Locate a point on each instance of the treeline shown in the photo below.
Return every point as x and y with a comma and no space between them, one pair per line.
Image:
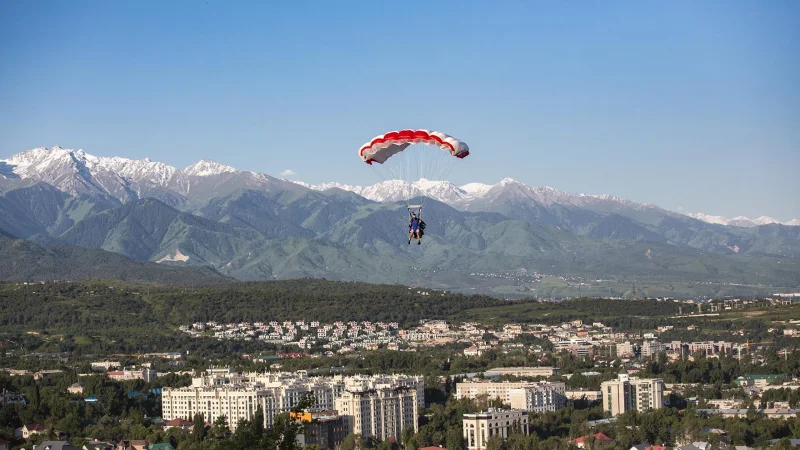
106,305
724,370
624,314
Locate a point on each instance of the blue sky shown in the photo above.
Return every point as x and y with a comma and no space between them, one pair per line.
686,104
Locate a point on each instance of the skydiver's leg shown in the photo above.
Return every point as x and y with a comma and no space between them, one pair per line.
410,235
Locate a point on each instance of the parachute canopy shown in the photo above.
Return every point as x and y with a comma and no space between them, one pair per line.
384,146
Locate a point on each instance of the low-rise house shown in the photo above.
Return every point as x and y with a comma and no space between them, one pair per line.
55,445
178,423
28,430
98,445
4,445
137,444
759,381
75,388
162,446
695,446
599,438
8,397
472,351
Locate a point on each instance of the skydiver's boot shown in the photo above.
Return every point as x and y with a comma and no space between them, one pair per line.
409,241
419,241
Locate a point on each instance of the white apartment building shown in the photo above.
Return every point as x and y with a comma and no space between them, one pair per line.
526,395
234,402
381,413
652,348
132,374
625,349
628,393
105,365
540,397
479,427
237,396
584,395
524,371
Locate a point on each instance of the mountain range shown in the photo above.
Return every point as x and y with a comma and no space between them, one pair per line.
742,221
249,225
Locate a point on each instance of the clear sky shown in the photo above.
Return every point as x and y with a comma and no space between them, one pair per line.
686,104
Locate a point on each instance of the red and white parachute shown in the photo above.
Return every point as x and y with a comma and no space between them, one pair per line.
384,146
407,157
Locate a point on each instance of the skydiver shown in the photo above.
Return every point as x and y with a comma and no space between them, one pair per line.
415,228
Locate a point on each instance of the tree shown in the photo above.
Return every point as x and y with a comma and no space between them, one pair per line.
389,445
257,424
220,429
199,428
406,435
495,442
455,438
353,442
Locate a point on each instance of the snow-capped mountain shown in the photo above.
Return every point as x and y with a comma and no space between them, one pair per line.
79,173
741,221
480,196
397,190
205,168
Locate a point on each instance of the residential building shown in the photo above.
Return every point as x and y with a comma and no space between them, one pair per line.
527,395
629,393
626,349
97,445
652,348
75,388
133,374
381,413
472,351
8,397
178,423
695,446
524,371
234,402
759,381
136,444
599,438
55,445
237,396
539,397
161,446
479,427
325,429
591,396
28,430
105,365
4,445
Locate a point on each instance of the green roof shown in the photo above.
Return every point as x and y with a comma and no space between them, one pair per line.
762,377
162,446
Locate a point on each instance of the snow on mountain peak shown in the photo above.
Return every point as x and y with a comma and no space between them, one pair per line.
507,180
205,168
77,172
476,189
741,221
396,190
